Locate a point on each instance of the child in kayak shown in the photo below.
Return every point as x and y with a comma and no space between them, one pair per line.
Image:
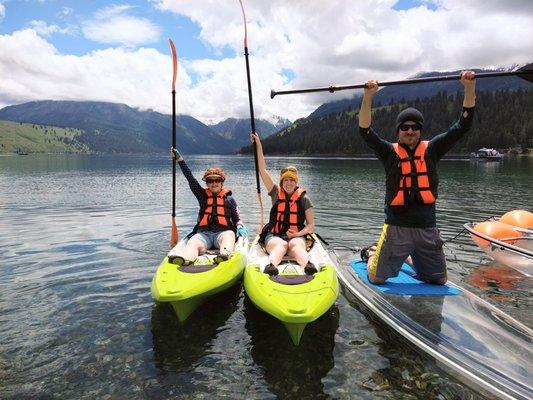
291,217
218,219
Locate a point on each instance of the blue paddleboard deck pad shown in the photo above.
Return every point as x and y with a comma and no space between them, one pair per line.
405,283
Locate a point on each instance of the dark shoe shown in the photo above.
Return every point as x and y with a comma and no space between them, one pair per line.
367,252
310,268
270,269
221,258
179,261
176,260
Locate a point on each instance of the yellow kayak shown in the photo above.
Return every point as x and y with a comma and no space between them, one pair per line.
292,297
187,287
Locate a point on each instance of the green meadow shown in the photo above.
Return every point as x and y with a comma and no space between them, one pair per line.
33,138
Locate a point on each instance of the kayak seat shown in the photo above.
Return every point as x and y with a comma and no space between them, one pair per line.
193,269
291,279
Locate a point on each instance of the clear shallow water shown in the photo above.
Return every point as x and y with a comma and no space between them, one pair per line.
81,236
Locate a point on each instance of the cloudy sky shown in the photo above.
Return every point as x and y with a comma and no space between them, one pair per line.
118,51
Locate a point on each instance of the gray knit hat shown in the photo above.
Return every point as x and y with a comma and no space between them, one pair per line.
409,114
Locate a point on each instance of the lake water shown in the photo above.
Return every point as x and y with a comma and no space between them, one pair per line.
80,239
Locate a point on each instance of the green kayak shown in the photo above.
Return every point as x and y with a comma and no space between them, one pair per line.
292,297
187,287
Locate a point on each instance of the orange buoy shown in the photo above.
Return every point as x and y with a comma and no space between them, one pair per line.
519,218
496,230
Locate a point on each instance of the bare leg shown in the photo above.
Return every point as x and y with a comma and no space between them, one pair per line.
298,252
226,242
276,248
192,249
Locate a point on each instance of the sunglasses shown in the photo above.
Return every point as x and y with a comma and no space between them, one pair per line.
292,169
414,127
216,180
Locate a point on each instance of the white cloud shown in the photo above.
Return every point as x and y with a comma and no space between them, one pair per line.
350,41
112,11
2,12
42,28
111,25
65,12
322,43
38,71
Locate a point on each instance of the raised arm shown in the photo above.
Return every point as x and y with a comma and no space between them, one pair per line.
365,112
195,186
440,144
265,176
468,79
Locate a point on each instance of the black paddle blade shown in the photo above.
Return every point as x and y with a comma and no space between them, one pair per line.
526,72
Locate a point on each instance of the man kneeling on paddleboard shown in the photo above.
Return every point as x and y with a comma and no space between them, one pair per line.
291,217
410,227
218,220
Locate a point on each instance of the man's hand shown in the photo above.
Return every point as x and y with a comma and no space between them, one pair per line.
371,87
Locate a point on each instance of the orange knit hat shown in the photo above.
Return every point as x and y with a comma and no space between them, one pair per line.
214,172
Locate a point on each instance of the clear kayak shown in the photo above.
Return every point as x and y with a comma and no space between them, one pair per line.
292,297
187,287
513,248
470,338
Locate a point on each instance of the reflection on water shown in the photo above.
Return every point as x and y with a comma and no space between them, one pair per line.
292,372
82,235
409,372
177,346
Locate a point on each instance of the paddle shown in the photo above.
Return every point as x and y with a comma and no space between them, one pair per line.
525,72
252,119
174,229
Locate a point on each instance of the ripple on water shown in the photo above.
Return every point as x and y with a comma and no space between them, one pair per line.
81,237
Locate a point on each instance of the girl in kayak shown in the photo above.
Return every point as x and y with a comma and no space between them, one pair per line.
218,219
291,217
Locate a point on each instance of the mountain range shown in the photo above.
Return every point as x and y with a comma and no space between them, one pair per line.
503,119
409,92
118,128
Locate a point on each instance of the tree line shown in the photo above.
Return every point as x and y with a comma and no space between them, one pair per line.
503,119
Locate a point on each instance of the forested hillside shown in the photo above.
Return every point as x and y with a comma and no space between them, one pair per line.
503,119
409,92
117,128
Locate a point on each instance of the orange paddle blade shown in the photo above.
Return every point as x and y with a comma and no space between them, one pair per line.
245,30
174,233
174,63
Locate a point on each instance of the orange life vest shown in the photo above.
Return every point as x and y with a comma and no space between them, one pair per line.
287,213
215,210
417,180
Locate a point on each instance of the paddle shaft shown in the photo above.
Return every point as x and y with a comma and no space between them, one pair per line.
525,73
173,158
174,228
252,118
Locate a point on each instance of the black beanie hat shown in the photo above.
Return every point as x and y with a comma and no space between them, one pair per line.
409,114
